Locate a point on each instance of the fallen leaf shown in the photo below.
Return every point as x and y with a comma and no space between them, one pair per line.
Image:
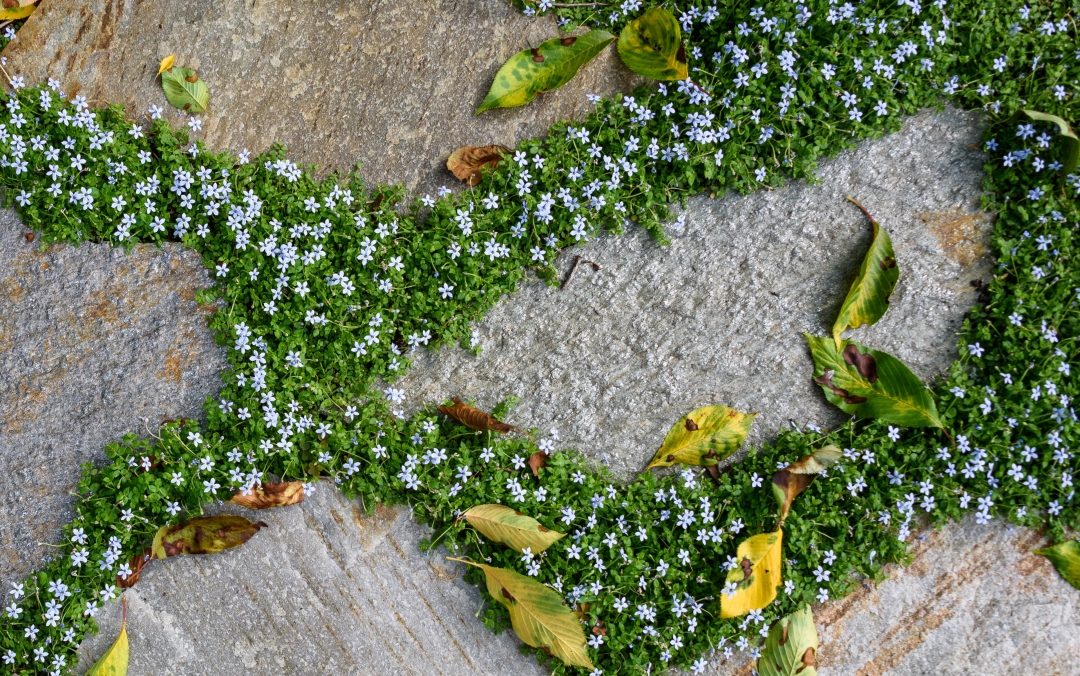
17,9
791,646
1071,154
870,383
271,495
757,576
537,614
542,69
789,482
507,526
204,535
137,563
466,162
537,461
184,89
868,298
651,45
474,418
115,660
166,64
704,436
1066,558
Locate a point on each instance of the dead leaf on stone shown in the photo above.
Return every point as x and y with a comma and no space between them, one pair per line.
537,461
466,162
271,495
137,563
474,418
204,535
166,64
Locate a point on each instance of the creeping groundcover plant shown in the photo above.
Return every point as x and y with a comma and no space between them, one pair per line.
323,289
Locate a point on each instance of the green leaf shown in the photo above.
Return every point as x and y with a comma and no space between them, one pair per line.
868,298
537,614
547,67
869,383
185,90
791,646
204,535
651,45
704,436
1072,143
791,481
1066,558
511,528
756,577
115,660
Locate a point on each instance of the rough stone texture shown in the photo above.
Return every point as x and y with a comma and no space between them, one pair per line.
323,590
610,360
616,356
391,85
94,343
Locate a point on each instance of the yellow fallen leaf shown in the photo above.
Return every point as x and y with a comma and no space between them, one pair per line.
166,64
511,528
757,575
704,436
115,660
537,614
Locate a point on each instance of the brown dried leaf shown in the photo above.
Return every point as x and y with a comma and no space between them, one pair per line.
537,461
271,495
790,482
474,418
137,563
204,535
465,162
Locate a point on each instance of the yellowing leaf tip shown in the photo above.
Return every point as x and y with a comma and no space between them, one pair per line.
166,64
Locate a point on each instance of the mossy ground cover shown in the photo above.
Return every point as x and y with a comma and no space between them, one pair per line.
324,288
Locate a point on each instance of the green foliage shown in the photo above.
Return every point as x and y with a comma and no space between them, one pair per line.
184,89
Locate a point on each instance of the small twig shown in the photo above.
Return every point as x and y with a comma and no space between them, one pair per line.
4,70
573,268
572,5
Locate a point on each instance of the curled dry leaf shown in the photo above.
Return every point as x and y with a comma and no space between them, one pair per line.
474,418
789,482
510,527
757,576
704,436
271,495
791,646
137,563
204,535
115,660
537,614
537,461
466,162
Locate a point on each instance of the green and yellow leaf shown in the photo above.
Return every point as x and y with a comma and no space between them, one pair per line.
1066,558
869,383
868,298
651,45
791,646
704,436
1072,144
204,535
115,660
547,67
20,9
185,90
757,575
538,615
504,525
790,482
